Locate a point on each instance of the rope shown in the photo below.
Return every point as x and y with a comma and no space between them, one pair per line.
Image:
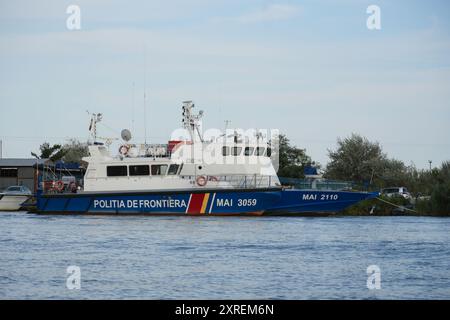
396,205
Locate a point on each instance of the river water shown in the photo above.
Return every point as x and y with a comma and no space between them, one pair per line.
223,257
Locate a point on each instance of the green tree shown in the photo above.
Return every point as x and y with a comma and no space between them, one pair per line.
292,160
54,153
393,173
356,159
75,151
440,195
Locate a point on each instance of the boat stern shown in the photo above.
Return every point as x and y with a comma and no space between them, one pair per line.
297,201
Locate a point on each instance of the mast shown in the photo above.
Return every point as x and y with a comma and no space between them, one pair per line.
95,118
132,108
145,96
191,122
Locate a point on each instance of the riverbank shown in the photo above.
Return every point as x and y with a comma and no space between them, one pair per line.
385,206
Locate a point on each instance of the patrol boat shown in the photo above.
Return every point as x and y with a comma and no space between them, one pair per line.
186,177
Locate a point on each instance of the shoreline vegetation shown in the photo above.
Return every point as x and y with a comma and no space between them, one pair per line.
364,163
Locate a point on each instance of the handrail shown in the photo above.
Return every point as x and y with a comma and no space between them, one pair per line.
216,181
238,180
319,184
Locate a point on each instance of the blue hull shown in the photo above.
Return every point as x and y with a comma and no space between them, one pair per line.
295,201
205,202
212,202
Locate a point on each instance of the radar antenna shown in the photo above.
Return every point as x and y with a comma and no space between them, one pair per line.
191,121
95,118
126,135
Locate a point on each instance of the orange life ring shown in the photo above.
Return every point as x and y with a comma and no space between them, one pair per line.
201,181
59,186
123,149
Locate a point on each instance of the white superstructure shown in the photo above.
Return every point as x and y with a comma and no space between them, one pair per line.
180,165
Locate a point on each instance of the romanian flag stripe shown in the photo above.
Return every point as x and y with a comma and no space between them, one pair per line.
189,203
205,203
212,203
198,203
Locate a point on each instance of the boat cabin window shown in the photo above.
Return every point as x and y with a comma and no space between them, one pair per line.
116,171
260,151
248,151
159,169
173,169
141,170
225,151
268,152
237,151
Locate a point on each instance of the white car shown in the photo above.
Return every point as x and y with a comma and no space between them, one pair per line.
397,192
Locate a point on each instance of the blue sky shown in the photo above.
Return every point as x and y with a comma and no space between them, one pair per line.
309,68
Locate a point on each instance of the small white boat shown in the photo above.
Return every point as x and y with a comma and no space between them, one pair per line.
12,198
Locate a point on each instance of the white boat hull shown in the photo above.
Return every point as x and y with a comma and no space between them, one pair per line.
12,202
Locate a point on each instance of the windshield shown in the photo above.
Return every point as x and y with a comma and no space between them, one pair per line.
14,189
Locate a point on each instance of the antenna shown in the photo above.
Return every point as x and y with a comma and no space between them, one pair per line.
190,121
227,122
95,118
132,107
145,95
224,134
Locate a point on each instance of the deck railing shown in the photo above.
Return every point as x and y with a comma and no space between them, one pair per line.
234,181
211,181
319,184
248,181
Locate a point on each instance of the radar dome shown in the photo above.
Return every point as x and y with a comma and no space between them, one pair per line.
126,134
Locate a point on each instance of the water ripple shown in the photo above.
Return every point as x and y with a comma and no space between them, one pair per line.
223,258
